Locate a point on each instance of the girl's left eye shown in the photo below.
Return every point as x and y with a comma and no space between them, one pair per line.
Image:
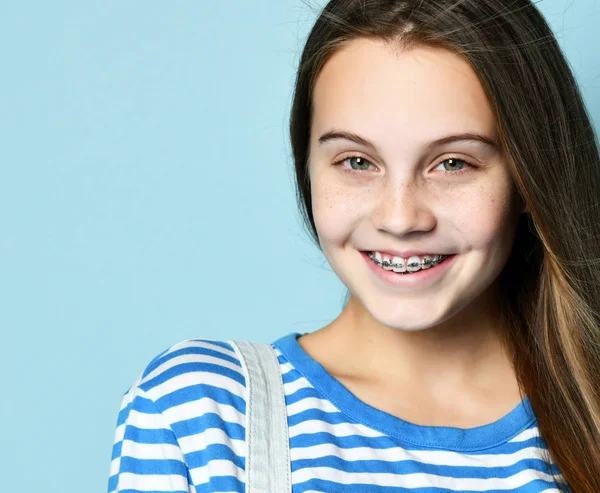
453,165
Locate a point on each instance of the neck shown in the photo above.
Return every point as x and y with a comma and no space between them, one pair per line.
463,354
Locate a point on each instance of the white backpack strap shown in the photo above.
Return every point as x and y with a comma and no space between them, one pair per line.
268,468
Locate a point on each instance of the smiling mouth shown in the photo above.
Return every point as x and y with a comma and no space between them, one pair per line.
405,266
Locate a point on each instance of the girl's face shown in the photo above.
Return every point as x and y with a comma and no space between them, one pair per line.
381,183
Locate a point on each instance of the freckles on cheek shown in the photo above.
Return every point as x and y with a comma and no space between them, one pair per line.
482,216
335,210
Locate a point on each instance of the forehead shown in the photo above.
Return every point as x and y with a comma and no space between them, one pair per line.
419,94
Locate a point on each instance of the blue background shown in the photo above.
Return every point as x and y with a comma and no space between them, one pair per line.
146,197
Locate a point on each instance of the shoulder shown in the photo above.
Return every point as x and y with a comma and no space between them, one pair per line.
186,408
199,372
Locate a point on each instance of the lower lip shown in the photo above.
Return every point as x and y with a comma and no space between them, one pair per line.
421,278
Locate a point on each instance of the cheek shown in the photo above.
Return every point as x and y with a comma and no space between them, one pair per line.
487,215
336,210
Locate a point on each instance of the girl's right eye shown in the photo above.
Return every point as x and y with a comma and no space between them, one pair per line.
354,164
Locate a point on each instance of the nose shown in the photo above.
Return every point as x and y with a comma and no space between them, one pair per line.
402,209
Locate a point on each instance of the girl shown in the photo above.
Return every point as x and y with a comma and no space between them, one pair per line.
448,170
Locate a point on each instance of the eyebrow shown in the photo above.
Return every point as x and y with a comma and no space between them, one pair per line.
468,136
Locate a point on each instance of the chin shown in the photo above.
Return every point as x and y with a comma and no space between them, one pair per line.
411,324
409,315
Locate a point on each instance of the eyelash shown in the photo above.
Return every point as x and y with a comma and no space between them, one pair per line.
354,171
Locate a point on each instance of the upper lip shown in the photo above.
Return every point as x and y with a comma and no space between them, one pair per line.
405,253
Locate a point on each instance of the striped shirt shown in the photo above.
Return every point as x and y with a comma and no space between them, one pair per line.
181,428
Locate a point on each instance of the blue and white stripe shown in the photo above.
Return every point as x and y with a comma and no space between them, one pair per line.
181,428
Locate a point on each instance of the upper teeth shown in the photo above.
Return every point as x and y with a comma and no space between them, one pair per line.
411,264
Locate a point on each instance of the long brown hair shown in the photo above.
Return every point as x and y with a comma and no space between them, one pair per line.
551,282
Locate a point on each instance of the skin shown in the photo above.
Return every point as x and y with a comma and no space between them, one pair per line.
432,355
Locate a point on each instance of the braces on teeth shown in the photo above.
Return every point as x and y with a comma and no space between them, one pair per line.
413,264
